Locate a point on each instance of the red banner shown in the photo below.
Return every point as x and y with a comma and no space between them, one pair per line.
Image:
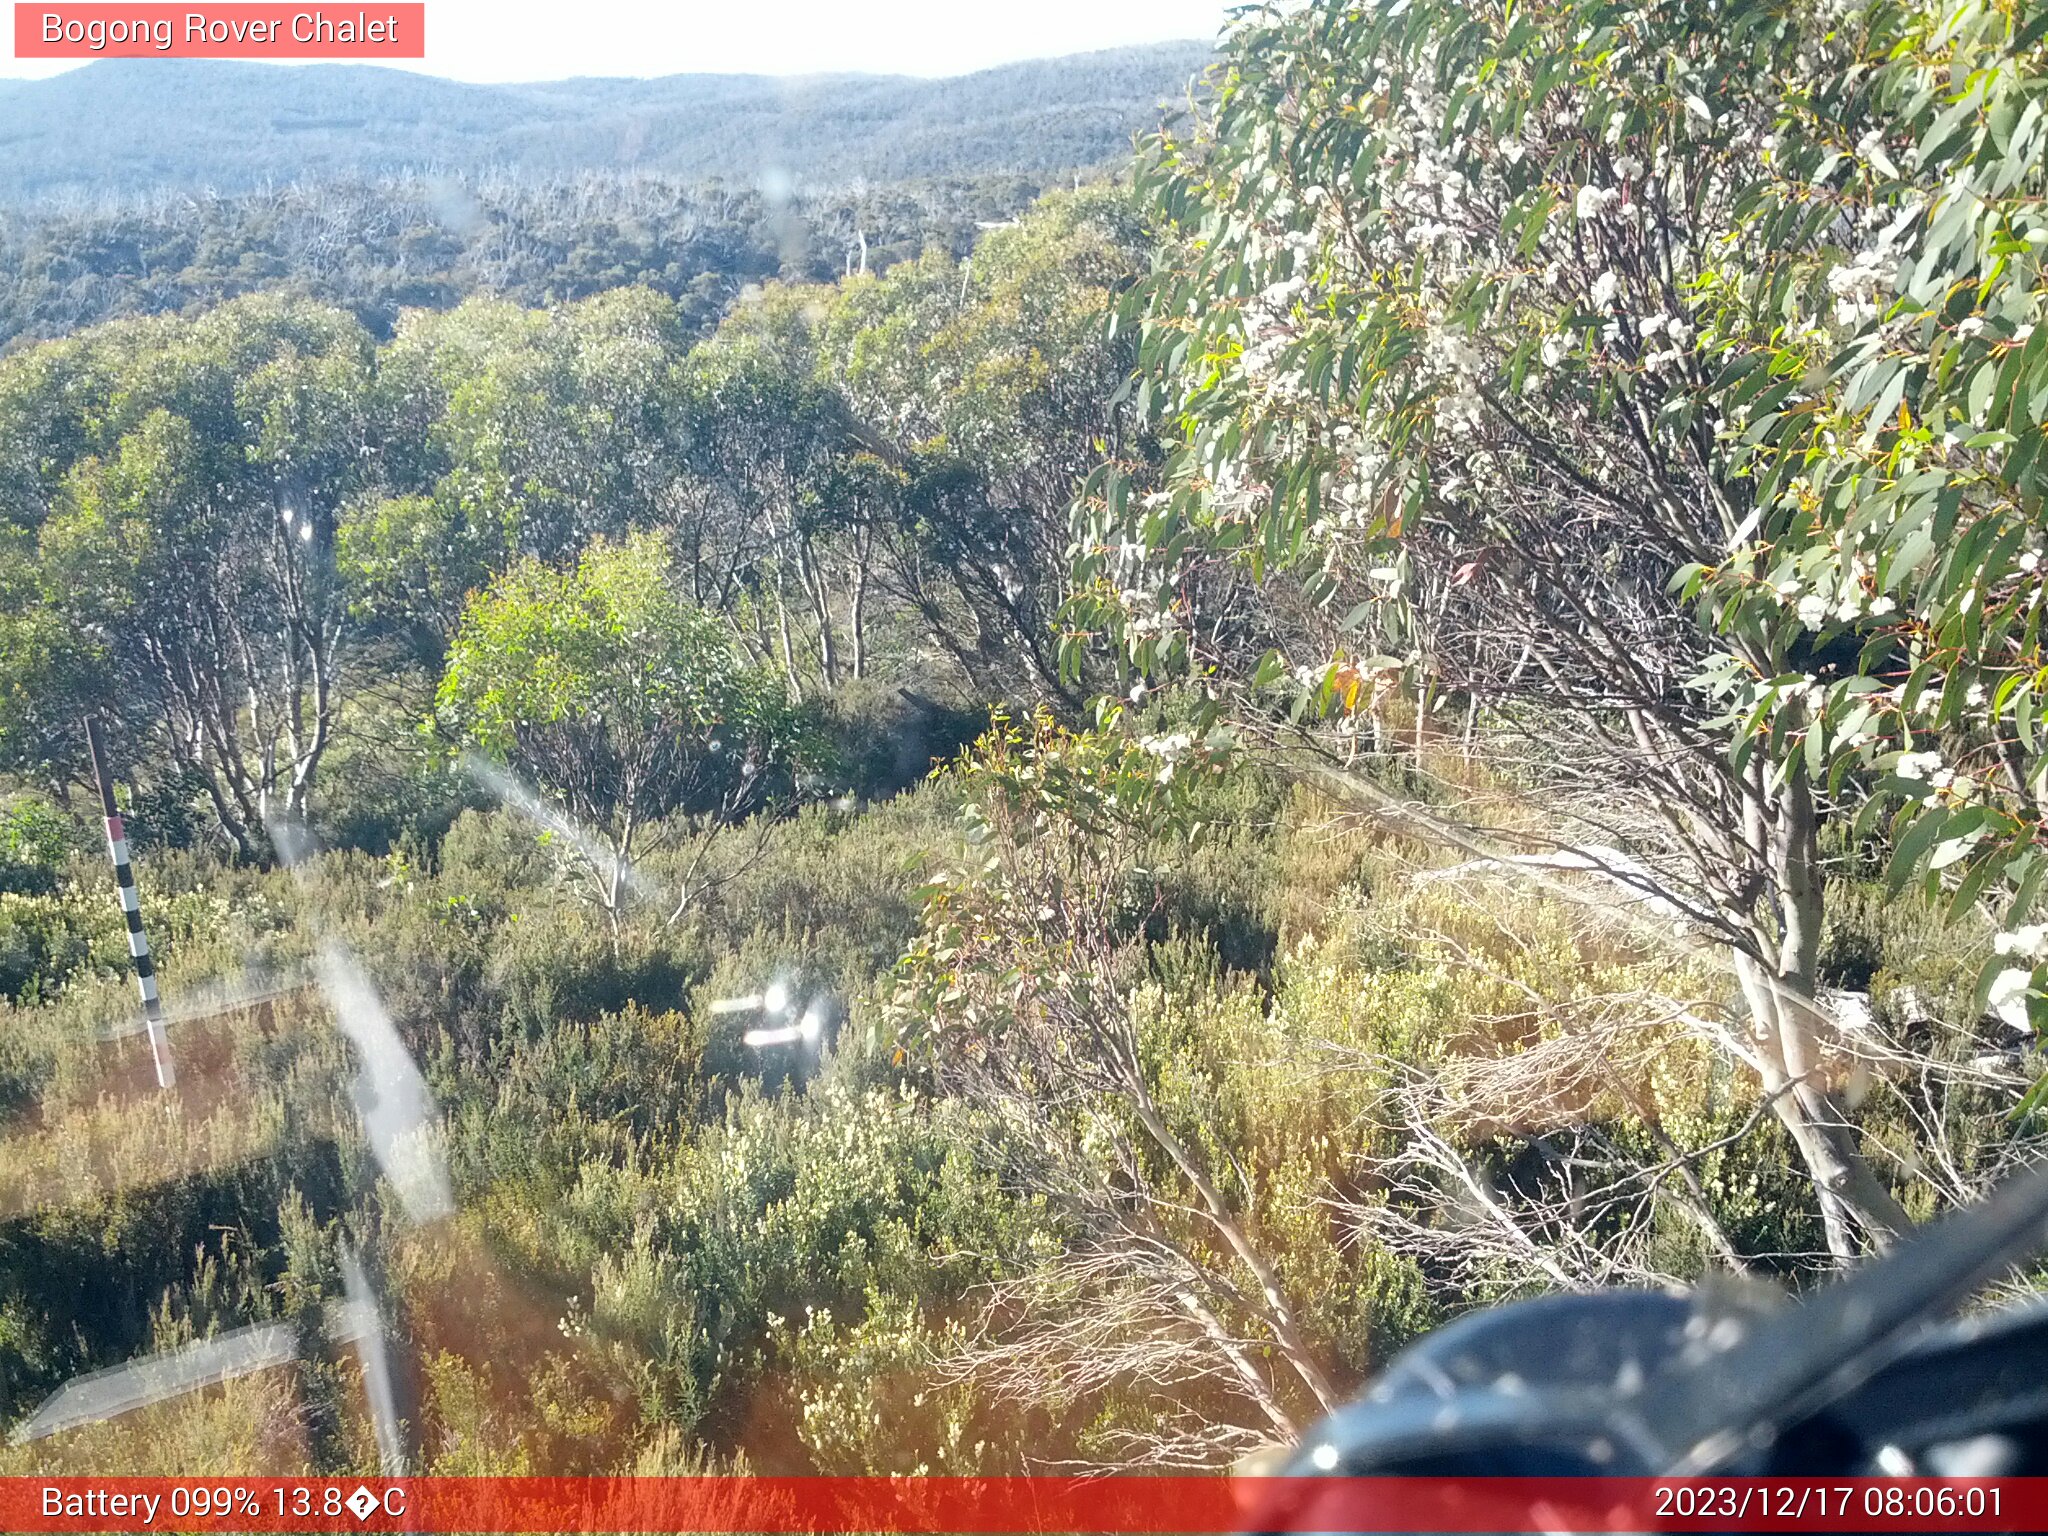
222,31
1120,1506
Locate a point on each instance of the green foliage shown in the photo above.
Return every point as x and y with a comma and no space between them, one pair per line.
535,238
758,1268
999,384
1898,473
72,929
1797,266
389,788
36,839
185,525
620,700
1165,1106
44,941
1152,1101
267,528
1053,816
50,674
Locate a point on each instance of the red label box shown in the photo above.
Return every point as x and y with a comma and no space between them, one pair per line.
376,30
1018,1506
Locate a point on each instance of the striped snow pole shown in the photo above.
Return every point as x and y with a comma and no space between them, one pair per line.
131,908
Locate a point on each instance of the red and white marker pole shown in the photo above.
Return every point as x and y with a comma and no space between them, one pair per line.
131,909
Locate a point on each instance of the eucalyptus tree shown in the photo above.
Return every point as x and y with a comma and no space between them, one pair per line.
184,540
772,515
512,432
999,386
1894,421
627,706
1476,330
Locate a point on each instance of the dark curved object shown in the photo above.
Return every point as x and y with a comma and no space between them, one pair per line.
1862,1378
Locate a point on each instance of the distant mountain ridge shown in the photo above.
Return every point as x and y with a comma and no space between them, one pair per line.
125,127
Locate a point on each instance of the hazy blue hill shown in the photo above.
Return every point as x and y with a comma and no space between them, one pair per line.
123,127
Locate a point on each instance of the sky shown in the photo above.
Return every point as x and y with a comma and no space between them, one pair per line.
501,40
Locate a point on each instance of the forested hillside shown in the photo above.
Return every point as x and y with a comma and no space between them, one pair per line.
375,248
1035,859
127,127
378,190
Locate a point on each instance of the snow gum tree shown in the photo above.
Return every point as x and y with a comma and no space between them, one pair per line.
1659,379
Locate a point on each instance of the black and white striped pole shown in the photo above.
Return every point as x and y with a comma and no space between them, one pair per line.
131,909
